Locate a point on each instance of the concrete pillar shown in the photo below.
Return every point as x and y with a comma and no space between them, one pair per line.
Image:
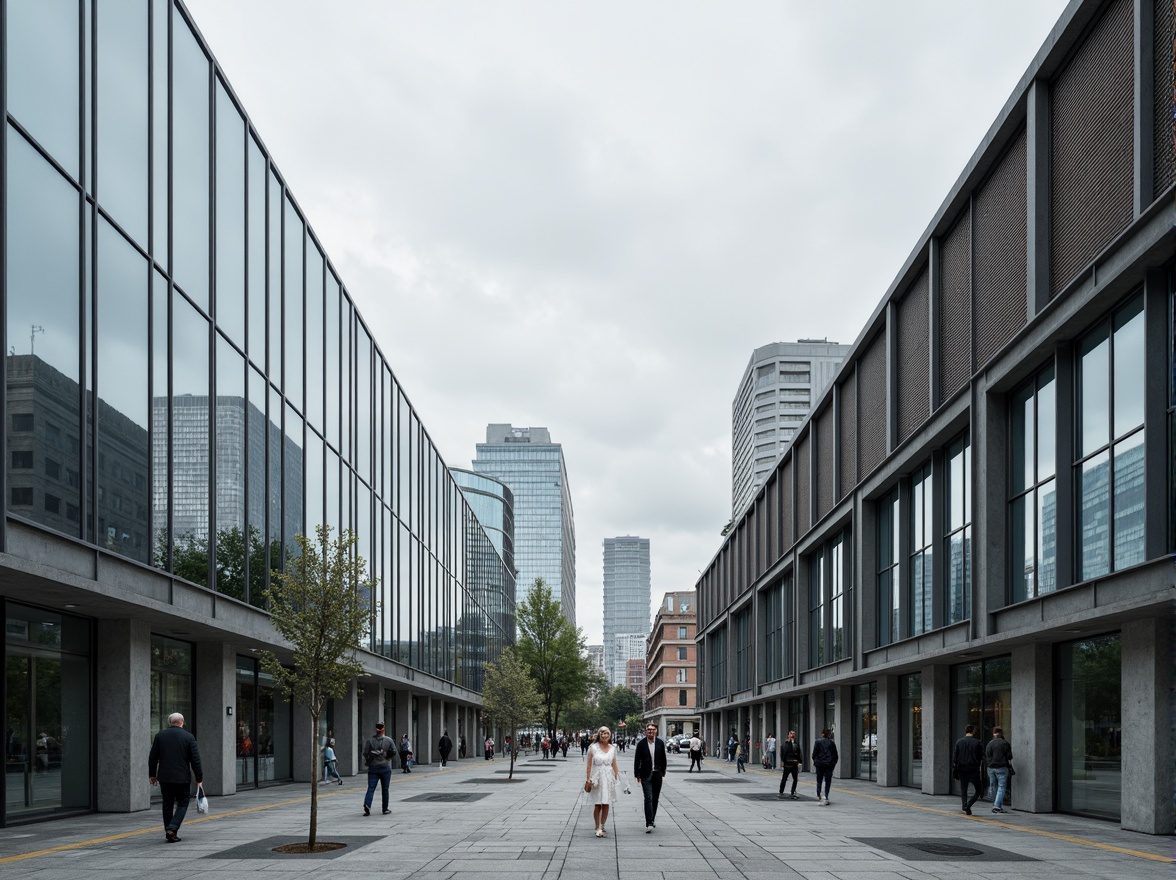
426,749
843,734
451,725
1148,704
123,737
347,731
216,716
937,741
1033,729
403,722
304,744
889,754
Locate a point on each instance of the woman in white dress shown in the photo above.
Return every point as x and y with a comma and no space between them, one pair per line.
603,773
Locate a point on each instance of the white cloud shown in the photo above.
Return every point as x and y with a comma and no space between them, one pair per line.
586,216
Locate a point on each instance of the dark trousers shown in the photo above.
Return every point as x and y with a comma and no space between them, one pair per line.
175,803
695,758
794,772
381,776
970,776
444,758
826,774
651,787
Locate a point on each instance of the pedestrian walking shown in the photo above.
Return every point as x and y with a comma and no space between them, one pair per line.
546,746
649,769
730,748
563,745
824,760
461,746
966,758
377,755
740,758
998,755
444,746
696,748
489,748
601,777
790,755
405,754
770,752
330,762
173,761
584,743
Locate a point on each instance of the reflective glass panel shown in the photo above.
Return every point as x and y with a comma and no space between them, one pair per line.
274,480
1094,512
294,488
1046,426
292,305
121,120
231,416
331,365
1047,537
44,74
314,482
1090,727
230,217
257,430
1022,443
160,24
314,336
190,442
190,164
1021,550
274,281
1130,374
123,368
256,254
1094,413
363,403
1129,501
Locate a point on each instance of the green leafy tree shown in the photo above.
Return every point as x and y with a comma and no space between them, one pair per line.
553,651
190,560
322,606
620,704
509,697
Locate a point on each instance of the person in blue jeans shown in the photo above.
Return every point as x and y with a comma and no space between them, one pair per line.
997,755
330,762
377,754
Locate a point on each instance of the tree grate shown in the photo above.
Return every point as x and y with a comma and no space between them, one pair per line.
941,849
446,797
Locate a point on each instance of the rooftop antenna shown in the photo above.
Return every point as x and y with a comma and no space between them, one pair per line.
34,329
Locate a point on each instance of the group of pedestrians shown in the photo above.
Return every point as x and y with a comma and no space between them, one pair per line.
602,776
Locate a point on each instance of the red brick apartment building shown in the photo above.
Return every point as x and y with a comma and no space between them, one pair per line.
671,699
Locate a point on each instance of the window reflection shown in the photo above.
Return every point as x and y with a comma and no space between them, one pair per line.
230,217
121,120
190,164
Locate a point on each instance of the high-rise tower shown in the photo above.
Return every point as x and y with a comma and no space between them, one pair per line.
533,467
626,601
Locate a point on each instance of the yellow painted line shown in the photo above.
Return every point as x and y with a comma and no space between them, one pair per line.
154,829
1081,841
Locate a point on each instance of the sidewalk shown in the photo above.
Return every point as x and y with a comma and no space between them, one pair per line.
469,821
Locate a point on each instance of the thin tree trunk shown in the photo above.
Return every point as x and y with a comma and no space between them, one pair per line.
314,778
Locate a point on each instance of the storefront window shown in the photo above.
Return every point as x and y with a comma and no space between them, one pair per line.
865,730
1089,746
911,729
49,712
982,695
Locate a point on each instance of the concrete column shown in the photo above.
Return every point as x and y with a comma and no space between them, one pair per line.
123,737
304,739
216,728
1033,729
843,734
402,723
1147,708
452,726
347,731
889,755
937,741
426,749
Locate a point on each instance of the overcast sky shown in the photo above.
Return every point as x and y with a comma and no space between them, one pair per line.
585,216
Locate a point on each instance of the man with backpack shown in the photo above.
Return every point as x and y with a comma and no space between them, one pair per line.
377,754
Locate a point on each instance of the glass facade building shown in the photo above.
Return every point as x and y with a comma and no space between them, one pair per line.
977,515
532,466
626,598
188,385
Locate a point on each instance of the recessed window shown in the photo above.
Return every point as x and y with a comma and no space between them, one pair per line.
681,652
52,504
22,459
1033,488
22,422
22,496
52,469
682,675
682,632
682,698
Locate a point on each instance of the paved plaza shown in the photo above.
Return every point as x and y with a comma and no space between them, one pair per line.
469,821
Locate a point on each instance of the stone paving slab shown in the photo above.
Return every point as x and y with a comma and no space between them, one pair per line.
543,829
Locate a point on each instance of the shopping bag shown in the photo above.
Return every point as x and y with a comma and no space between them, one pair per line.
201,800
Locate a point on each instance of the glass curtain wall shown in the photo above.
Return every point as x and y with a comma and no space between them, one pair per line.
1090,727
1033,488
49,712
222,393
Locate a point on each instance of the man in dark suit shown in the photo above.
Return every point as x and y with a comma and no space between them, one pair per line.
649,767
174,759
966,759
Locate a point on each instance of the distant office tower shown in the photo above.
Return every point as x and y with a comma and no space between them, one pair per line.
626,598
635,676
533,468
596,659
780,385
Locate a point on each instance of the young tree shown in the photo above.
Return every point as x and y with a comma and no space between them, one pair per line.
509,697
553,651
322,606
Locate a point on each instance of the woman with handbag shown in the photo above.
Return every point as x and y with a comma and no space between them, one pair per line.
600,778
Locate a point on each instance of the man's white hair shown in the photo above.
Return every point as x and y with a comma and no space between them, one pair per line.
175,718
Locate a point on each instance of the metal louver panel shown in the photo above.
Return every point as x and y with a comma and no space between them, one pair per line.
803,481
1092,157
826,462
999,240
772,525
1165,127
914,365
872,382
848,417
955,308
